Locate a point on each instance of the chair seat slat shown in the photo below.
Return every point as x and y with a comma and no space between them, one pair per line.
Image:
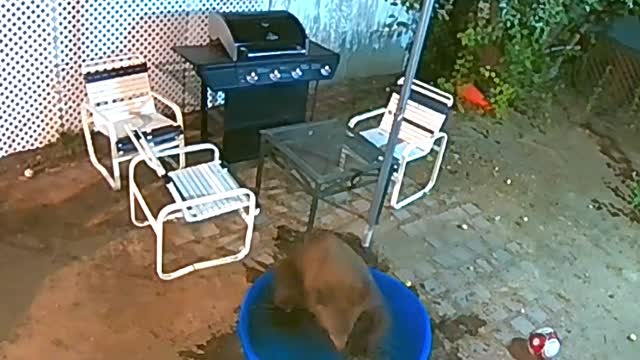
207,179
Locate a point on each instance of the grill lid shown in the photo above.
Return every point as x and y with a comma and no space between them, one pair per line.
252,35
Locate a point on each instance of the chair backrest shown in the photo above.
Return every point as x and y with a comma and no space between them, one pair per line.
119,86
426,112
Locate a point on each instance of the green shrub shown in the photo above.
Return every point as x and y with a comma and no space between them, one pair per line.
513,49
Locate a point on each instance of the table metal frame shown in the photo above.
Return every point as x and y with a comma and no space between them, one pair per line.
316,185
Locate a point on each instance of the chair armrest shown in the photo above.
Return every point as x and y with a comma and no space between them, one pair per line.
95,112
172,105
151,157
439,135
191,148
144,150
100,118
365,116
407,150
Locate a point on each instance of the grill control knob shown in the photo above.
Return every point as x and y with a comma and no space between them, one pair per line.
275,75
297,73
326,70
252,77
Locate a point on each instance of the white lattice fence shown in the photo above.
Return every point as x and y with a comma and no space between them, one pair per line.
43,43
29,95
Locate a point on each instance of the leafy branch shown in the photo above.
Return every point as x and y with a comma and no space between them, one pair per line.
513,49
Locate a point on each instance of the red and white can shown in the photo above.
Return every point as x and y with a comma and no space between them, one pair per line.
544,343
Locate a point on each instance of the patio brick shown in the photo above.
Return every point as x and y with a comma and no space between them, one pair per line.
444,309
424,269
479,246
402,214
537,315
433,286
405,275
453,279
483,265
502,257
264,258
455,215
414,229
513,306
551,302
481,224
494,313
447,260
179,233
493,239
462,254
464,299
511,274
482,294
471,209
522,325
514,247
438,243
208,229
342,198
275,191
361,205
278,209
273,184
505,334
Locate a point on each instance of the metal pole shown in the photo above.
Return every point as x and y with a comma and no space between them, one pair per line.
410,73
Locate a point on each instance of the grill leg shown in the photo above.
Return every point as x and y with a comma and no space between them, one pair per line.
260,169
204,117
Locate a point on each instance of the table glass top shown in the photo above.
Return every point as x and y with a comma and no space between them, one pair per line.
325,150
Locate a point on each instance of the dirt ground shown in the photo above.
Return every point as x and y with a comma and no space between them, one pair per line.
78,284
77,279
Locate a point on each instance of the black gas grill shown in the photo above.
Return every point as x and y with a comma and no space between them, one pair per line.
264,62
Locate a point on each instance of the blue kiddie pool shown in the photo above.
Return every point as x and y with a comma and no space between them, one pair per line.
263,338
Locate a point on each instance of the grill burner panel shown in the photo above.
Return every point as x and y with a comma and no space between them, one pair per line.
223,73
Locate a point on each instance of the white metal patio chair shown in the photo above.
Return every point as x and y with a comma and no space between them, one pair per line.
119,94
426,112
199,192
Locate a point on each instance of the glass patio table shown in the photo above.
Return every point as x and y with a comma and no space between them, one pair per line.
325,157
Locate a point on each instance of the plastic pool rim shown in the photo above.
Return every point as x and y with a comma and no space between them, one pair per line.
264,280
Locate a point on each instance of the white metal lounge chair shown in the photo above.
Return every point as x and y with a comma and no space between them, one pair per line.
426,112
118,95
199,192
